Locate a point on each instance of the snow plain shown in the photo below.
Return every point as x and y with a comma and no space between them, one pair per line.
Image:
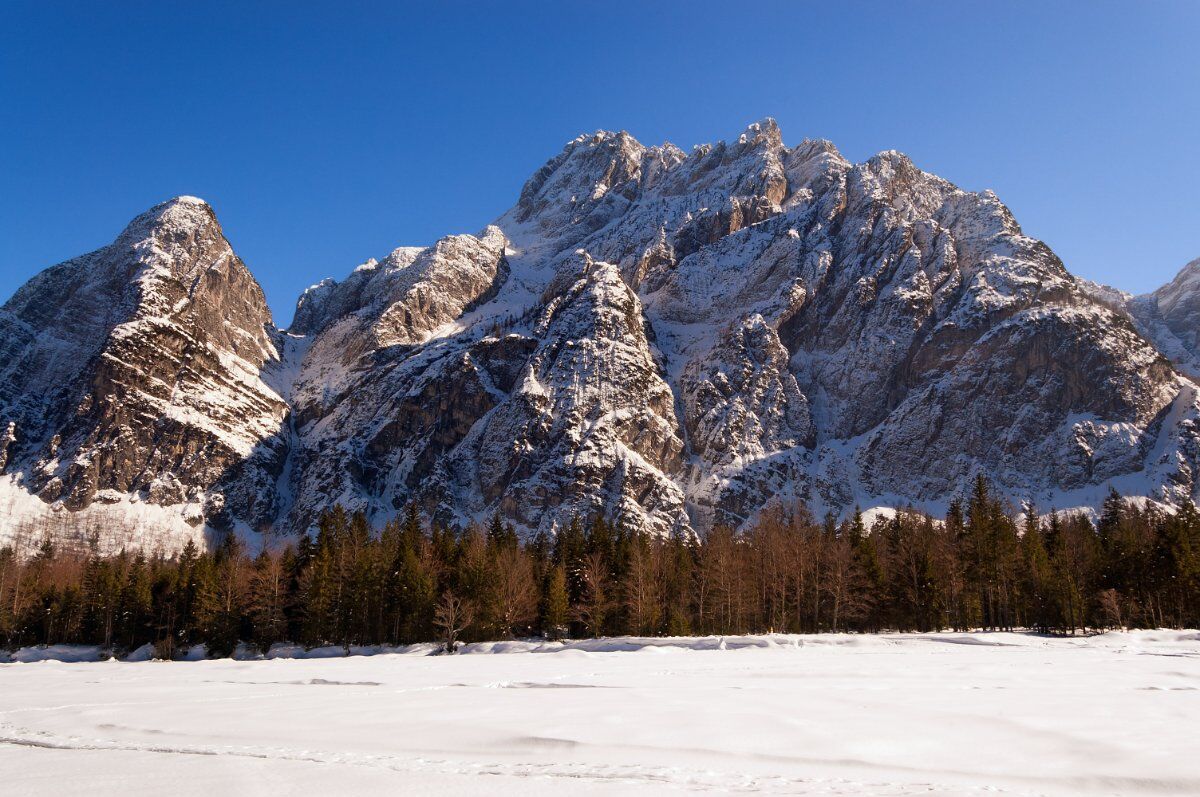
891,714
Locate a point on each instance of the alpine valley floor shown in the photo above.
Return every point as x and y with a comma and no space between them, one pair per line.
889,714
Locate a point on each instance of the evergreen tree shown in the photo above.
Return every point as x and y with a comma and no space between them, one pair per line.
268,600
1037,576
555,603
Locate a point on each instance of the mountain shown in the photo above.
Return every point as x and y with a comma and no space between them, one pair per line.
132,378
673,338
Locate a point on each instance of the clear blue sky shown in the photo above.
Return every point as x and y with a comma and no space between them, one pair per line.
324,134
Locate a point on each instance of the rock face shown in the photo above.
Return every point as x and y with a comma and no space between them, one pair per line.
1170,316
676,339
133,373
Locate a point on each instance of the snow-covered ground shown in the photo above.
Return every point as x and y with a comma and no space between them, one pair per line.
836,714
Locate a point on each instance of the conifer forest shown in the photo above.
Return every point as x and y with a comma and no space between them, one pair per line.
981,566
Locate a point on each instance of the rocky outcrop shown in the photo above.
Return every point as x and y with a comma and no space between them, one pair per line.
567,416
1178,305
405,298
741,401
588,427
1168,316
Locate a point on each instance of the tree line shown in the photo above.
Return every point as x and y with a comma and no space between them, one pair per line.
981,566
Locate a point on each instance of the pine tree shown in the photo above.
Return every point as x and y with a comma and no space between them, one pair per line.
413,593
1037,576
570,547
225,597
555,603
501,535
267,601
679,568
870,580
135,616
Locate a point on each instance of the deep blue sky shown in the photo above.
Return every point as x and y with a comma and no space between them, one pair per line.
326,134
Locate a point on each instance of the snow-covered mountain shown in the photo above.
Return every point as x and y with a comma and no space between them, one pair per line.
675,338
131,380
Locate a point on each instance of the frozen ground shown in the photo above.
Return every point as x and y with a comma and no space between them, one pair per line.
880,715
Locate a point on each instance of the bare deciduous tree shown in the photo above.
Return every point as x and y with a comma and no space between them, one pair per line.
452,616
515,591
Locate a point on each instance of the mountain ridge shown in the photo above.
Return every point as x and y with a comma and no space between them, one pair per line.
676,339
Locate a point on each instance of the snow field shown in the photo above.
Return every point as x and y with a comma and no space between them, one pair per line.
834,714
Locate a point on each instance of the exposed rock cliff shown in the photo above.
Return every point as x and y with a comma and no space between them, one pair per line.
132,374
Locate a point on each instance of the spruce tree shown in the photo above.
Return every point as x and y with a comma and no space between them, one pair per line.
555,603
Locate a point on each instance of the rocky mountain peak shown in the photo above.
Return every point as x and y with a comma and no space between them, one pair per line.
1182,290
582,175
764,133
1170,316
174,215
181,235
132,376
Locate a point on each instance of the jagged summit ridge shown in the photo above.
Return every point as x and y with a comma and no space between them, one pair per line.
677,339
